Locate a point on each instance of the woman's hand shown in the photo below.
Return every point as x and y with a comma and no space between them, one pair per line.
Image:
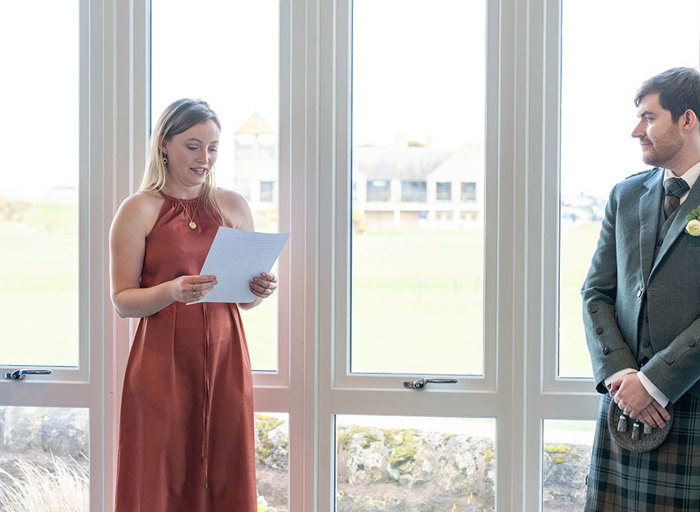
192,288
263,285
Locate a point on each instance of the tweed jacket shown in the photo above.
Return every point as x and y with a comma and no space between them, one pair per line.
624,277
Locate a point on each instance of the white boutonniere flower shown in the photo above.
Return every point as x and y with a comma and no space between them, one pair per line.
693,226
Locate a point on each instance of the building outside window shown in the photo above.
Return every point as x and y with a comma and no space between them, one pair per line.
414,191
443,191
378,190
468,191
267,191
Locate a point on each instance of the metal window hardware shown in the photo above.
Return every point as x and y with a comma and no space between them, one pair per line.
420,383
19,374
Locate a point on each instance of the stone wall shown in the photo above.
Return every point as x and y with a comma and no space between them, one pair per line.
377,469
384,470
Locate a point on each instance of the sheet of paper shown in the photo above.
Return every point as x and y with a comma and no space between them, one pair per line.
235,257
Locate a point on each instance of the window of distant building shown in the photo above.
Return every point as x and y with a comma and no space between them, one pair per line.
244,152
443,191
413,191
267,151
378,190
267,191
468,191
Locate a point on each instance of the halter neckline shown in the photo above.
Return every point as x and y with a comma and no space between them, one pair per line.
173,198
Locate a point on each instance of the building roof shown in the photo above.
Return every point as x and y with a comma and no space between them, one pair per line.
415,163
467,163
256,125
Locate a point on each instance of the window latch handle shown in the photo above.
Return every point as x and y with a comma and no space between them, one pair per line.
19,374
420,383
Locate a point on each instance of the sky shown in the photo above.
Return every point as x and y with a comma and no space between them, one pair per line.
609,49
418,74
39,92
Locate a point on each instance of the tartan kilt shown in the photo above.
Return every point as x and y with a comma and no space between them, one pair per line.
663,480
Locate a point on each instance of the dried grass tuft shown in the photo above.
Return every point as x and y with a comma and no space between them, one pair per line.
54,487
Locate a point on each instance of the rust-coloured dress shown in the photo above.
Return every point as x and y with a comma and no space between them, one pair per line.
186,438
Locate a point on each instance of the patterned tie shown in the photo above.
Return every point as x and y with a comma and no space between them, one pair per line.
674,188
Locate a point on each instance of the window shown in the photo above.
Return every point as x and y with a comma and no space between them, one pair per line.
419,253
243,152
267,191
39,206
408,291
413,191
54,305
468,192
443,191
415,463
378,190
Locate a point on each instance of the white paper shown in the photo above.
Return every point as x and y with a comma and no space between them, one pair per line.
235,257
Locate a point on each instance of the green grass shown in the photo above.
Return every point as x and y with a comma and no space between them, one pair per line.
39,290
416,298
260,324
577,246
417,302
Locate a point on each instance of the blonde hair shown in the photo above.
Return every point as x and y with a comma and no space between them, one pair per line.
180,116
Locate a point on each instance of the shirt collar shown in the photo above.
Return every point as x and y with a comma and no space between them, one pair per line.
690,176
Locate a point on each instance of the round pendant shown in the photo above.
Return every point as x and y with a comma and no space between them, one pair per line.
192,225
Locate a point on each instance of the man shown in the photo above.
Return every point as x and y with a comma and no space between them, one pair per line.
641,308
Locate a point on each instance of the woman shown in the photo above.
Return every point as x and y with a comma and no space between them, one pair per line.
186,432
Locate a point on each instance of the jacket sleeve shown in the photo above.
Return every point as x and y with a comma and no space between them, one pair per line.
676,369
609,351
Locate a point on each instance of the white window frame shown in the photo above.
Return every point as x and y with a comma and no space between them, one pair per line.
520,388
547,396
340,391
90,384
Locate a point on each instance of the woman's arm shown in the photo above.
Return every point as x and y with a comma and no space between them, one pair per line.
127,242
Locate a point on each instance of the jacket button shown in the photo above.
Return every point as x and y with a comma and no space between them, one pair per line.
599,330
606,350
645,344
671,360
639,292
660,243
592,309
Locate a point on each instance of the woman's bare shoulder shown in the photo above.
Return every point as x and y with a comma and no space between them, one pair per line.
235,208
230,197
144,200
141,209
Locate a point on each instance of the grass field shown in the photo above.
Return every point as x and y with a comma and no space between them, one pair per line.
577,246
39,287
416,298
417,302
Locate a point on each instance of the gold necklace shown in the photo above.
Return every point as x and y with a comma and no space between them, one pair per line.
192,224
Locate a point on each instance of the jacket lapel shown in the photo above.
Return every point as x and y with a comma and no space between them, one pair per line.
678,225
649,204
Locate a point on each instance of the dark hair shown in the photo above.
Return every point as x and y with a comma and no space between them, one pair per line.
678,88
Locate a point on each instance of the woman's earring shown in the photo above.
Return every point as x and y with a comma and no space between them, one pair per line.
165,159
